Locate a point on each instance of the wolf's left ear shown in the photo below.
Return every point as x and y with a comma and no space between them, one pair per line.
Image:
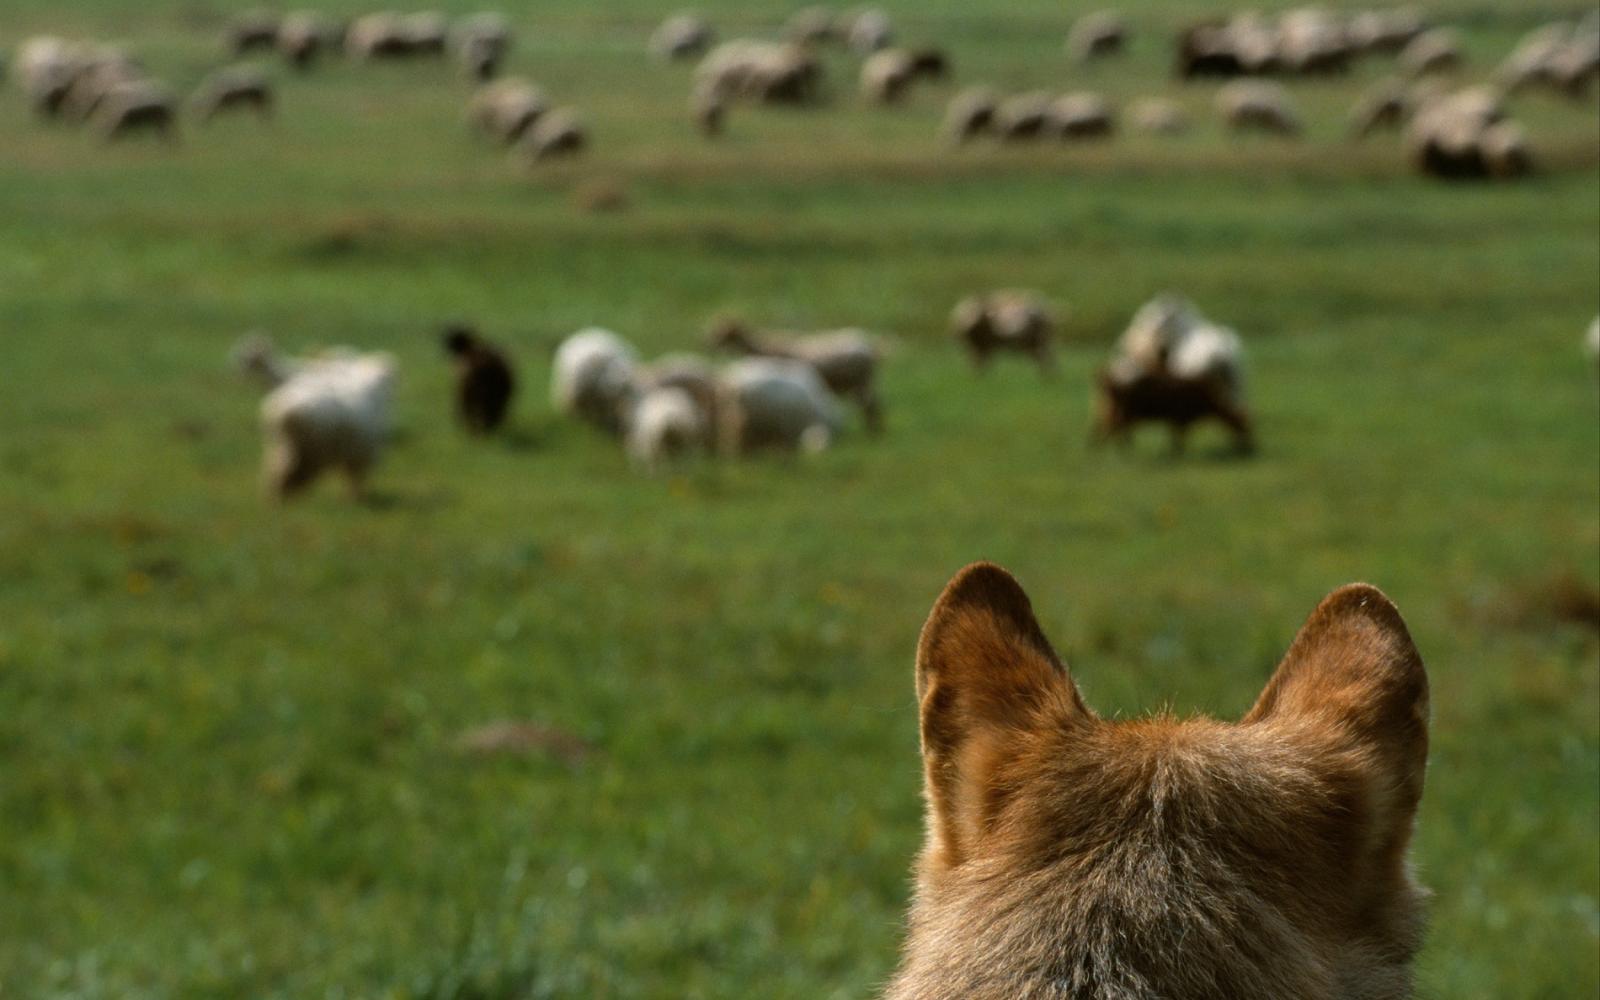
985,672
1353,666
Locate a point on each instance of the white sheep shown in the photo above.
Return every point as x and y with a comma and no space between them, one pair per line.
1433,51
325,412
1159,116
774,403
1168,334
1591,340
480,43
593,377
1082,115
664,423
558,132
506,109
846,360
870,31
970,113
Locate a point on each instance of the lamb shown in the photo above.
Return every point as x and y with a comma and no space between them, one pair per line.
557,133
970,113
1082,116
664,423
1007,320
1102,33
485,383
141,105
1159,116
887,74
845,360
774,403
1175,367
233,88
1433,51
1258,105
592,377
481,43
321,414
506,109
681,36
870,31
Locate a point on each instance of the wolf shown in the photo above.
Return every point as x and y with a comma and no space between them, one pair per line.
1070,857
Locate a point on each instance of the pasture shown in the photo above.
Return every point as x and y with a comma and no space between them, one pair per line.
230,743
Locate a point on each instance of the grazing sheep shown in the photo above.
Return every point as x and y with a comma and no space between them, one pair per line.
480,43
322,414
426,33
1562,56
1008,320
887,74
1465,135
138,106
485,383
1207,49
1386,31
506,109
773,403
662,424
46,67
681,36
693,374
1159,116
1174,366
232,89
845,360
1385,105
812,26
1022,116
870,31
767,72
100,71
557,133
970,113
1433,51
1258,105
592,377
1314,41
388,35
251,31
1102,33
1082,116
1591,340
1127,396
302,38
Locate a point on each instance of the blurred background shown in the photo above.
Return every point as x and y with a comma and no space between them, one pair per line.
531,720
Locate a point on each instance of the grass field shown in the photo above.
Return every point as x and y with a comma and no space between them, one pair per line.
228,742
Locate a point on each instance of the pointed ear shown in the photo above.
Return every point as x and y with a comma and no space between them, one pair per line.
1354,667
985,673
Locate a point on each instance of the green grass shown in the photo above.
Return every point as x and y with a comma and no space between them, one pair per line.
227,743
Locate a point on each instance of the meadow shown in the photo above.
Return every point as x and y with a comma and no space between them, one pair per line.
230,741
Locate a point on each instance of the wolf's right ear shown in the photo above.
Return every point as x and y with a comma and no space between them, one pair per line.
1354,670
985,672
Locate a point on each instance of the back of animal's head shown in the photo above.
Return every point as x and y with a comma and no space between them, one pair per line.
1074,858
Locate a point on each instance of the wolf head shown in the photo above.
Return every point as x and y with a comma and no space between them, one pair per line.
1074,858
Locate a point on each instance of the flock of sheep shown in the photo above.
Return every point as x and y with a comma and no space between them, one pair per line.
330,411
1452,129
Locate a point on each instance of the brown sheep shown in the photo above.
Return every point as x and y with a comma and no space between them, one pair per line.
1011,321
1128,395
846,360
485,383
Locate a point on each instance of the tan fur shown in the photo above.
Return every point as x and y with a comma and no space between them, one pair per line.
1074,858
